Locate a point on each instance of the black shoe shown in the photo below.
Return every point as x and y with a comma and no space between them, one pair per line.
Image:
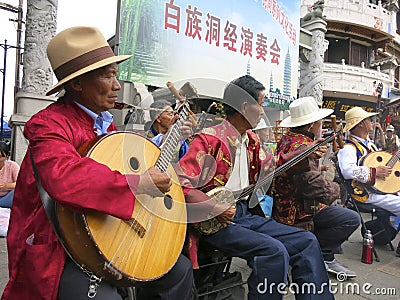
398,250
334,267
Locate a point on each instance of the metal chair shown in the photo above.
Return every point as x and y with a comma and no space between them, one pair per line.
213,275
382,217
128,293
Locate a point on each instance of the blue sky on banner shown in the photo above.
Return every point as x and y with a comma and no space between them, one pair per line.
70,13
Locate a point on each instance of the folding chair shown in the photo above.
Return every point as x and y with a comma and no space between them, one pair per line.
382,217
128,293
213,275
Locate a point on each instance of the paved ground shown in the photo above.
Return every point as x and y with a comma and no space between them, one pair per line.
374,278
3,264
375,281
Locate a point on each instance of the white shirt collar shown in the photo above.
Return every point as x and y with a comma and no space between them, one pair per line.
367,142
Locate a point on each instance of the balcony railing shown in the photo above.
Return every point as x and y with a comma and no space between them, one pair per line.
361,12
353,79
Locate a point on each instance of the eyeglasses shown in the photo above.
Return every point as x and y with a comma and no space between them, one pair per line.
170,112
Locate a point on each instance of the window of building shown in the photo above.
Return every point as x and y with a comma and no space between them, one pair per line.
338,49
398,22
358,54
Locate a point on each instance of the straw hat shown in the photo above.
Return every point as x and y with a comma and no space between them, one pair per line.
354,116
261,125
304,111
78,50
390,128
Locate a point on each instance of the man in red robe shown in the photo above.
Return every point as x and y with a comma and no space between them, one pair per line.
229,155
39,268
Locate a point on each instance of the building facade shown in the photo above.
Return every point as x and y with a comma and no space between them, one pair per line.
363,51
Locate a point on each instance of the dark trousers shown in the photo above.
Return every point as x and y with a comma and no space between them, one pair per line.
176,284
269,248
332,226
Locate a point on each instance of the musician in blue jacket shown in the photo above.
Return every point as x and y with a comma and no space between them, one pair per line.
163,116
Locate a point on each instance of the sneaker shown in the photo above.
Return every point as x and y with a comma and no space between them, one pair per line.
398,250
334,267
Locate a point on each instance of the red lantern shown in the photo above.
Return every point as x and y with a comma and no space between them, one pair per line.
388,119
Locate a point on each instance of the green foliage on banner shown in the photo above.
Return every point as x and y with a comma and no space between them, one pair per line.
140,36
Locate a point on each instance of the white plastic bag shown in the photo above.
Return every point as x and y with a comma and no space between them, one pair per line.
4,220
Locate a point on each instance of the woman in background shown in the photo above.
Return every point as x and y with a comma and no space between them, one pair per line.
8,176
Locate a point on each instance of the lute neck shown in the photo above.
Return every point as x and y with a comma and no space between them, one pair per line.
394,159
172,139
286,166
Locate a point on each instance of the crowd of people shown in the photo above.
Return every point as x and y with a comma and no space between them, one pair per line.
300,240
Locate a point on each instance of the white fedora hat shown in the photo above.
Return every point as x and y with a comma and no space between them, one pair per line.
354,116
304,111
261,125
78,50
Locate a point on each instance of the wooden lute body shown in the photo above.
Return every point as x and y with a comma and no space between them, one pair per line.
145,247
390,184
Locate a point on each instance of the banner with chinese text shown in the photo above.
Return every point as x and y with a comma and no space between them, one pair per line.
174,40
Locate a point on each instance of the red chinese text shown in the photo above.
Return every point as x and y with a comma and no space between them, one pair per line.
172,16
261,48
247,42
279,15
193,22
230,36
213,29
275,52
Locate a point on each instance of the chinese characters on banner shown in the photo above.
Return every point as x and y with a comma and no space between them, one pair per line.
213,32
175,40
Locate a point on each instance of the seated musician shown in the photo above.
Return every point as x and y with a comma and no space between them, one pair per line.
303,195
357,178
163,116
39,267
229,155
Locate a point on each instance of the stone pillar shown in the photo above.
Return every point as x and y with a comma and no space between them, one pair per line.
311,63
37,74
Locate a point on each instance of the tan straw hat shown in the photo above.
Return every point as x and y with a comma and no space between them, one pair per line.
78,50
354,116
304,111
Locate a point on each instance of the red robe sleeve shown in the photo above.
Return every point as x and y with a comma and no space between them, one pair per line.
61,169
